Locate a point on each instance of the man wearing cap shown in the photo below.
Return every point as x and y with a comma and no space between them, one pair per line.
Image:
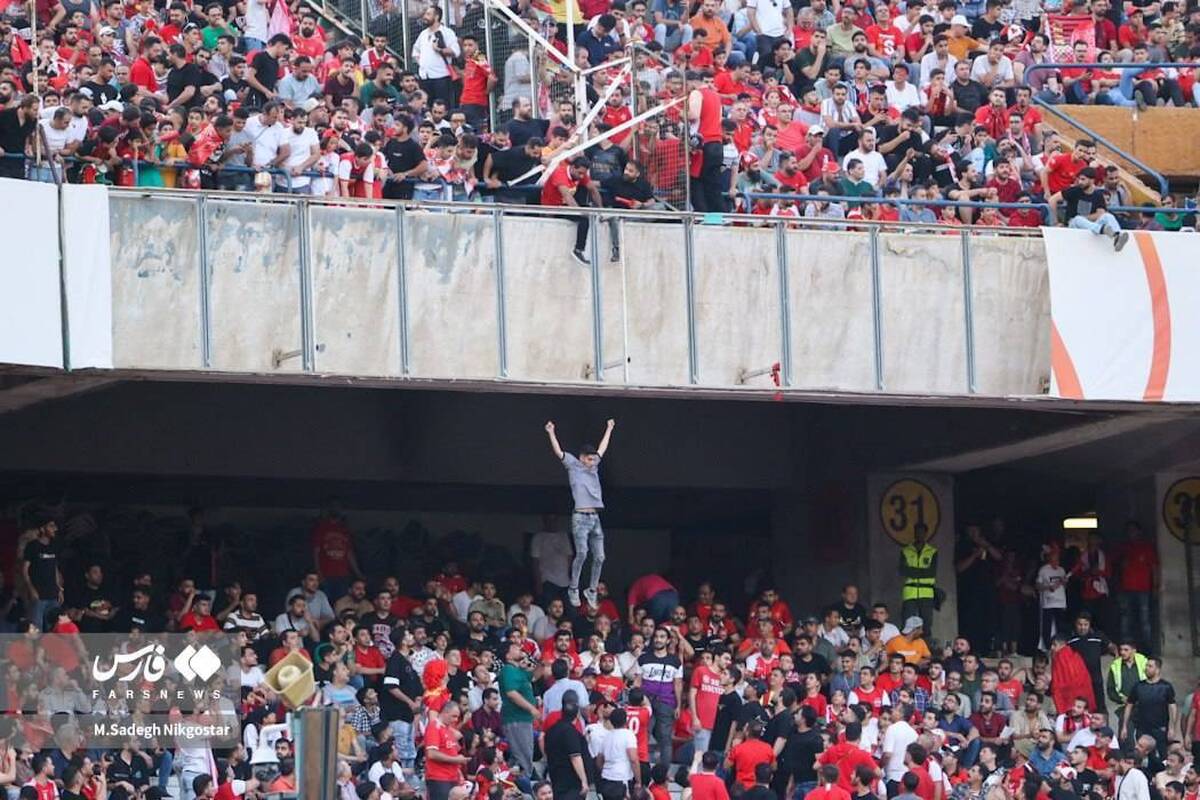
961,43
911,642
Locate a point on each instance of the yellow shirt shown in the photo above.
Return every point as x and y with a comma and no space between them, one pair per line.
960,46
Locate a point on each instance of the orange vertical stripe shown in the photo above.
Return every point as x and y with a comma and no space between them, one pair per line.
1160,307
1064,369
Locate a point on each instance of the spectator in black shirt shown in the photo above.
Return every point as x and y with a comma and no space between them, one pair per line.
523,127
761,790
799,757
405,159
100,87
94,606
129,772
853,613
512,167
988,26
1087,209
264,70
1151,708
42,574
969,94
729,709
565,750
16,126
184,81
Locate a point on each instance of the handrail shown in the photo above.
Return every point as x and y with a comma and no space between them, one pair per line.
1164,186
899,201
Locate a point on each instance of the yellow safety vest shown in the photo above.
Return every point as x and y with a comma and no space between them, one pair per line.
918,588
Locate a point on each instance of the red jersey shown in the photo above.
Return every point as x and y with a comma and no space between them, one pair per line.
1062,169
639,723
1030,117
369,657
924,782
886,41
835,792
331,540
445,740
613,116
709,126
889,682
707,684
191,622
561,177
748,755
874,698
795,183
311,46
994,119
360,177
45,791
475,80
707,786
142,74
846,756
609,687
1011,687
1138,561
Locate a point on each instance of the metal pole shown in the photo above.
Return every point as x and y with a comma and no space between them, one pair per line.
489,46
402,290
63,306
689,257
571,39
307,334
968,311
533,80
785,303
624,299
877,307
597,300
205,283
501,322
405,31
687,165
362,12
633,101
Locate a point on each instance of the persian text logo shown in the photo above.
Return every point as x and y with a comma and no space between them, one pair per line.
149,663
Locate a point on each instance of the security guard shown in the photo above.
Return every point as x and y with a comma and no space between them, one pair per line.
918,568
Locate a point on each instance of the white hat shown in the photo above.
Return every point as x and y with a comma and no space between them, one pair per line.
309,104
911,624
113,105
959,19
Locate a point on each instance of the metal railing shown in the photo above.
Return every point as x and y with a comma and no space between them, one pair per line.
406,215
851,200
1163,185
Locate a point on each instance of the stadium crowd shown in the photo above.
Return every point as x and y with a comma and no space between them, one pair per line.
471,687
924,100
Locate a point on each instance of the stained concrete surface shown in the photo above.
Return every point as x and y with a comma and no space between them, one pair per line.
832,327
155,283
738,309
924,340
254,268
356,306
451,280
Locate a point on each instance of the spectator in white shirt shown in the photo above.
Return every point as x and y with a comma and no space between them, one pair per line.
875,168
266,134
902,95
433,51
303,152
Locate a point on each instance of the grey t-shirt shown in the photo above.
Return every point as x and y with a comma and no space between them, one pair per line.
585,482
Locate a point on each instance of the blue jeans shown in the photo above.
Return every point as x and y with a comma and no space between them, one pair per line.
1106,224
589,538
970,754
40,609
802,789
406,748
1135,617
435,195
251,44
661,605
165,767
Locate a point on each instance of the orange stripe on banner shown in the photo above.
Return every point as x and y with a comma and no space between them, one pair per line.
1064,368
1160,306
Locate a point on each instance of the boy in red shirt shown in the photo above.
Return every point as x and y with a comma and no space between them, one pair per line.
477,80
705,784
828,789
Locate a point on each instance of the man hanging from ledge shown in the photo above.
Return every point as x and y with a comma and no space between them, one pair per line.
583,475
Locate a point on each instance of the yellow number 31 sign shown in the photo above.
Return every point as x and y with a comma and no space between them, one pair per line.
905,504
1181,509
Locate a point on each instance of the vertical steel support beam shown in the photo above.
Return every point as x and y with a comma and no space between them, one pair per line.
308,346
689,264
501,322
489,47
968,311
785,304
877,307
205,282
597,304
402,290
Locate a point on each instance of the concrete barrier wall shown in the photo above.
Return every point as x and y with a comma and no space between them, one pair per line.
157,305
422,294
